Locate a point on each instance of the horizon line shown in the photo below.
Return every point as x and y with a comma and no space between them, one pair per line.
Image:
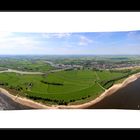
69,54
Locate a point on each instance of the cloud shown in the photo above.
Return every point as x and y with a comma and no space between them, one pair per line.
84,41
56,35
68,43
23,43
134,35
5,34
13,39
62,35
13,43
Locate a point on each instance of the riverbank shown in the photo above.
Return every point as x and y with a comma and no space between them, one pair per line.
22,100
36,105
20,72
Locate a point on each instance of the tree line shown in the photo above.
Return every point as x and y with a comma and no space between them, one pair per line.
52,83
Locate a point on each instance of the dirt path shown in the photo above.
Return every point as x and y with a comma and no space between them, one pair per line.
100,86
98,78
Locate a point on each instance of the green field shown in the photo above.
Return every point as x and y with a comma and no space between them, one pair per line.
25,65
61,87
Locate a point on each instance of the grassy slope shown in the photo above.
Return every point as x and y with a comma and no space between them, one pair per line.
77,84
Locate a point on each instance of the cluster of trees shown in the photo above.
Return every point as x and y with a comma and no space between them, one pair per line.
96,69
109,83
121,71
69,69
51,83
72,100
45,75
26,68
28,85
86,97
135,71
59,102
17,88
3,83
105,82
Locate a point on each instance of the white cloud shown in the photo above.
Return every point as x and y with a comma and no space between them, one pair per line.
62,35
17,41
46,35
84,41
56,35
133,35
11,43
5,34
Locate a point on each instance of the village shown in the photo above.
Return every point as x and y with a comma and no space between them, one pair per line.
94,65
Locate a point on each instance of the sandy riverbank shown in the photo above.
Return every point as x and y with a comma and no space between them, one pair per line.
20,72
22,100
36,105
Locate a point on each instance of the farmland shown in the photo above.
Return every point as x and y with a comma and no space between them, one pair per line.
60,83
61,87
24,64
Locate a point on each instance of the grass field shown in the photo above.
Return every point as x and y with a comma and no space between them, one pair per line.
25,65
61,87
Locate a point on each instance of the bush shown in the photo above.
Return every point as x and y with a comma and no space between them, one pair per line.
49,83
3,83
59,102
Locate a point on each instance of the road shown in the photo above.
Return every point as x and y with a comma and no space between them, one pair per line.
8,104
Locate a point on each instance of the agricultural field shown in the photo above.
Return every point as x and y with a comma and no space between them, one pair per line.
61,87
64,79
25,64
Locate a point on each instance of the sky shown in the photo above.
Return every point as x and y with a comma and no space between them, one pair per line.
96,43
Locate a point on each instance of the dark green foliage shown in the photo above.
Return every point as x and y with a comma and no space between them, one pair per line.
49,83
59,102
3,83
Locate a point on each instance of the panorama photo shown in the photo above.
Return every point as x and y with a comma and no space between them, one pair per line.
78,70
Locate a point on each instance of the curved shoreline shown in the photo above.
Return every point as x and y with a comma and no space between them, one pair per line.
36,105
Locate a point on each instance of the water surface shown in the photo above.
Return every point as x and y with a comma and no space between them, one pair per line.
7,103
126,98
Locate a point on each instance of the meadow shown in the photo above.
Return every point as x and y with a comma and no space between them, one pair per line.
25,64
66,84
61,87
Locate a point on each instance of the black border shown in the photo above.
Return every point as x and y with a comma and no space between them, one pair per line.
71,130
69,5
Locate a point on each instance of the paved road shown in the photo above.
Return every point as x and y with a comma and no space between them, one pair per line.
8,104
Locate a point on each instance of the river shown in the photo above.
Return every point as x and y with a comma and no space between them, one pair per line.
20,72
7,103
127,97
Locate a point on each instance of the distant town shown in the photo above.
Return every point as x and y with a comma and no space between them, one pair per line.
97,64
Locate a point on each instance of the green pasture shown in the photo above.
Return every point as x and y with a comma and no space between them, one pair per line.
60,87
